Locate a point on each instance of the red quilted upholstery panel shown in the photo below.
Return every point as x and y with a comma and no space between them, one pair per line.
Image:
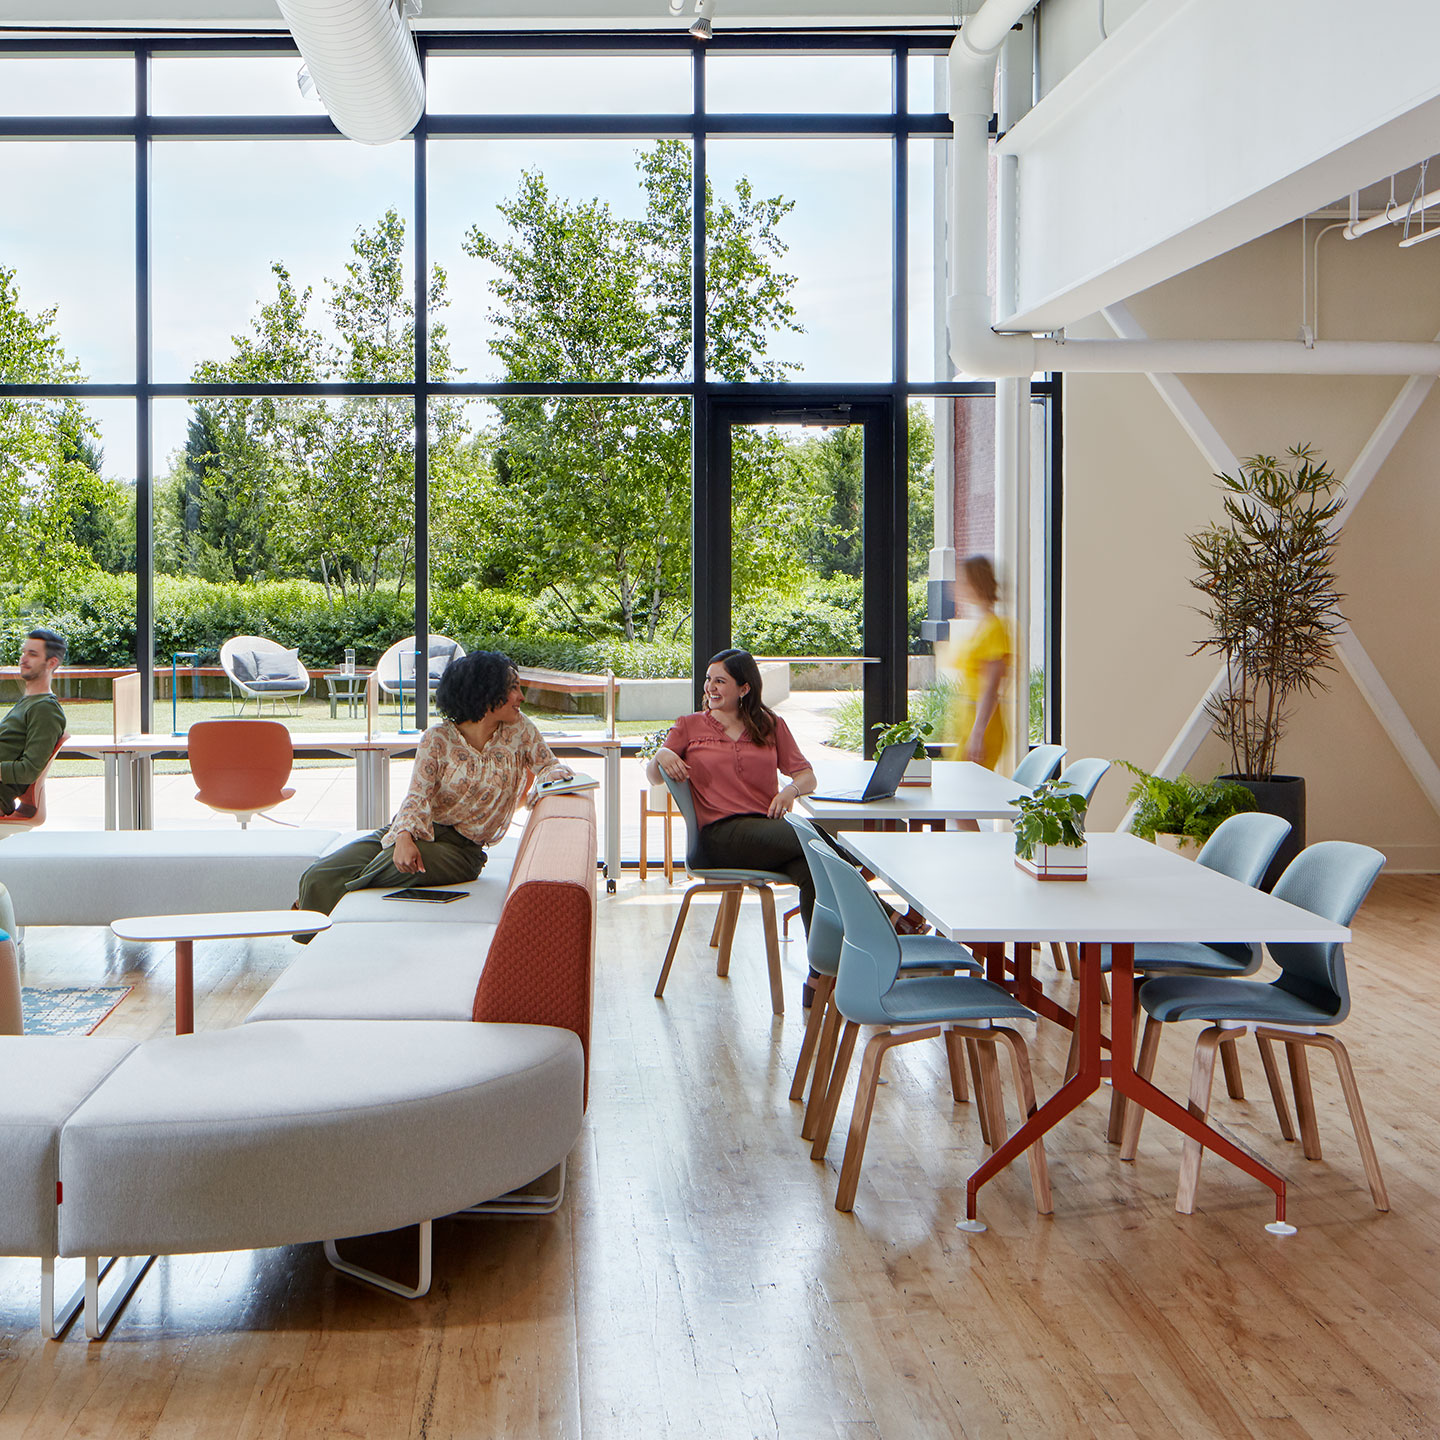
539,967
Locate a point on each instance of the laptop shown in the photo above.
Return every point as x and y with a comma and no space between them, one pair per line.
884,778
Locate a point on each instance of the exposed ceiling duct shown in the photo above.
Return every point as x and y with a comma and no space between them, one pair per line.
362,61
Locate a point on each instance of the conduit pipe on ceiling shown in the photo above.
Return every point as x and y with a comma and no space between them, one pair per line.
362,58
979,351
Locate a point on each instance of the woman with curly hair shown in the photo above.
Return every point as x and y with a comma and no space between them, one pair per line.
470,774
730,753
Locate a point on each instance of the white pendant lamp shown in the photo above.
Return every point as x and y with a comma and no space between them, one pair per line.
363,64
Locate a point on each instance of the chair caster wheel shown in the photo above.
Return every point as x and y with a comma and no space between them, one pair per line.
609,887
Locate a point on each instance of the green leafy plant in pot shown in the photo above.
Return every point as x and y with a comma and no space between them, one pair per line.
1268,577
1182,807
1050,832
913,733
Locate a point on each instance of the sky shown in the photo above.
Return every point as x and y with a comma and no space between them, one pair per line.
223,211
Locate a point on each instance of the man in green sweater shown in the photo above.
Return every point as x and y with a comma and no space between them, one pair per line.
35,723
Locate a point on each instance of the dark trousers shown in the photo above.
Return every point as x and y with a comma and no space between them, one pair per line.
756,842
365,864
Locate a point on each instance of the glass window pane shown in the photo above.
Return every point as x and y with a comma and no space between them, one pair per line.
565,259
929,84
799,84
228,85
82,270
800,255
68,85
315,208
928,285
589,84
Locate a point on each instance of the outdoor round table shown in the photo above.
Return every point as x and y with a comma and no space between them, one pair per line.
185,930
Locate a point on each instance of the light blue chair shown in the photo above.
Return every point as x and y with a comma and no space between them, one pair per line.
1241,847
731,885
869,990
1310,995
1039,766
920,954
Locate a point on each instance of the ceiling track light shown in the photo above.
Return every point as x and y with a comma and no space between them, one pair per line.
702,28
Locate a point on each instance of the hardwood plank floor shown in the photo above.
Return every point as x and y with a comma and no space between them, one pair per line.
698,1282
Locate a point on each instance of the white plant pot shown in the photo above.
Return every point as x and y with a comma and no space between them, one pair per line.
918,772
1178,845
1056,862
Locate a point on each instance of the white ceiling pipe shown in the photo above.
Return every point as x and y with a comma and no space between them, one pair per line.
362,59
1392,214
979,351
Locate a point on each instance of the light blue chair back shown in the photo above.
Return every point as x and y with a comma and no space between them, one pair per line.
1039,765
685,804
826,927
1080,775
1242,847
1331,879
870,950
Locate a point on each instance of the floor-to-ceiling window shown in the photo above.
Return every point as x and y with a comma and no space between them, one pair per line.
213,421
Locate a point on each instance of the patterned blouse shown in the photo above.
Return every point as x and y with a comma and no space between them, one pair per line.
476,791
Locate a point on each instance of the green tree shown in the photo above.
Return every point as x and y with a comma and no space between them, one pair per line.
334,479
591,494
47,480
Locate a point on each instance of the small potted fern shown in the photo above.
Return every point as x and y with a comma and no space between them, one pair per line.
1050,832
650,747
913,733
1182,813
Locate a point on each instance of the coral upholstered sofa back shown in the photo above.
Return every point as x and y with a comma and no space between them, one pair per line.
540,964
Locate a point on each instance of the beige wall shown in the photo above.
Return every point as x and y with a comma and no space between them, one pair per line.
1135,484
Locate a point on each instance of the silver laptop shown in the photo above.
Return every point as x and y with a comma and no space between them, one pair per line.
884,778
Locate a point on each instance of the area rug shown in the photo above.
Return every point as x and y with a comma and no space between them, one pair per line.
69,1010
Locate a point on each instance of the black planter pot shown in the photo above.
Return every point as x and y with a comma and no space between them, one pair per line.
1282,795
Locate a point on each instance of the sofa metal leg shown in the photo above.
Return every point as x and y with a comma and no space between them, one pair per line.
526,1202
54,1323
381,1282
99,1319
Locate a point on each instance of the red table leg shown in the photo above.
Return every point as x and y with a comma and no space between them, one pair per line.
184,987
1129,1084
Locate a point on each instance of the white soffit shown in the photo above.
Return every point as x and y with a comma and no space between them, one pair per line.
1202,124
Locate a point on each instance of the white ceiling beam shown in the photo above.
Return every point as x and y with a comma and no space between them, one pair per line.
1202,124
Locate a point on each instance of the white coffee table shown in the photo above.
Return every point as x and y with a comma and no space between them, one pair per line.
185,930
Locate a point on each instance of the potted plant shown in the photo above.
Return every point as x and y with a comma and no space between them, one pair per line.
649,748
1268,577
1182,812
1050,832
913,733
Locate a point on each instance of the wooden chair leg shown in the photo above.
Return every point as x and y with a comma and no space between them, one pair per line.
718,928
1057,954
955,1058
674,943
982,1108
785,920
1277,1088
988,1094
1072,955
1025,1095
1202,1082
826,1121
772,950
730,910
1144,1068
823,1069
1304,1099
879,1043
644,815
822,988
1357,1117
665,819
1072,1055
1115,1126
1230,1061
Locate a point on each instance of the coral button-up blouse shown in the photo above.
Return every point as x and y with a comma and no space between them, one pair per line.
732,777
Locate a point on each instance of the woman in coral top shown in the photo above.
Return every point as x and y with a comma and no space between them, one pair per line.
730,752
977,660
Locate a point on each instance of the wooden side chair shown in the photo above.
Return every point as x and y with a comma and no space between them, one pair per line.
1310,997
730,885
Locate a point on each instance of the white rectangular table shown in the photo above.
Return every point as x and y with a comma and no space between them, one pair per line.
959,790
969,888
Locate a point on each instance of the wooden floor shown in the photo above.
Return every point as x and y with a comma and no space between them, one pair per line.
698,1282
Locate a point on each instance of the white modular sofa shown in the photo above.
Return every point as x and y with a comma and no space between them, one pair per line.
410,1063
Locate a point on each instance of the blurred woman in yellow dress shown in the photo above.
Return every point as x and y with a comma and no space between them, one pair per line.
976,660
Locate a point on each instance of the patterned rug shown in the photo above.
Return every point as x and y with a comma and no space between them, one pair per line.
69,1010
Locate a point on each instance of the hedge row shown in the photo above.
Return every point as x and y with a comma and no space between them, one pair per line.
98,619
